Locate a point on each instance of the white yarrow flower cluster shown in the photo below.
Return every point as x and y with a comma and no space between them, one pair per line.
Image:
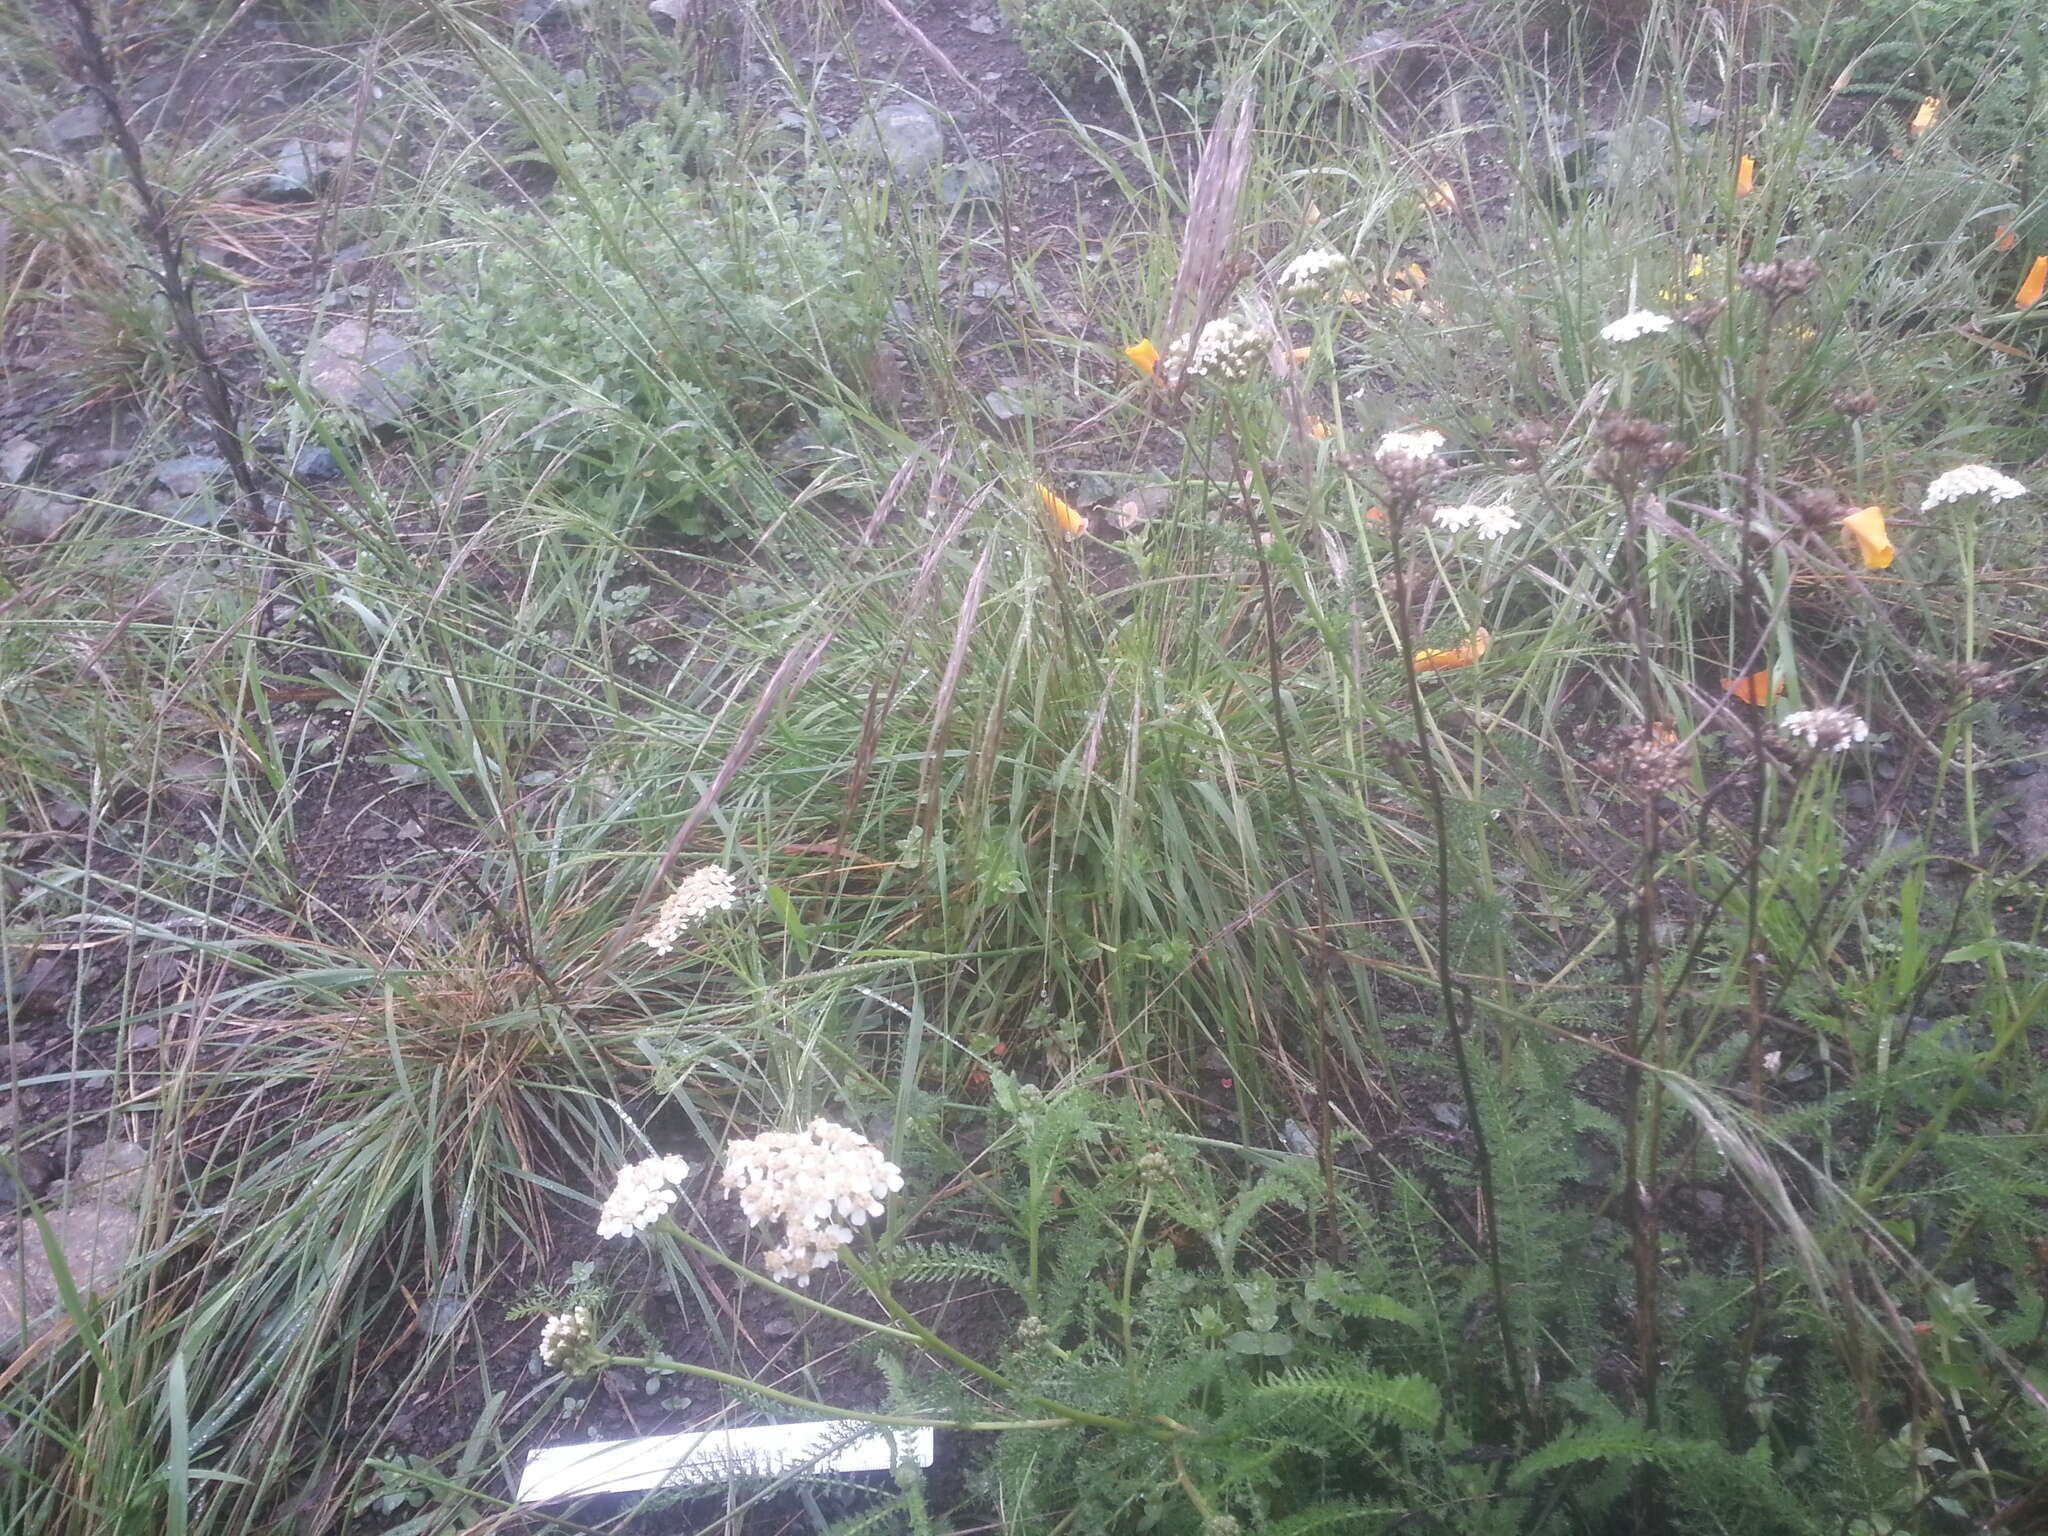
1635,325
1829,728
1313,274
642,1196
1226,349
1422,443
703,892
1970,480
819,1183
1489,522
566,1336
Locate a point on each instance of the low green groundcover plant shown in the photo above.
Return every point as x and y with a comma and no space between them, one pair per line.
648,325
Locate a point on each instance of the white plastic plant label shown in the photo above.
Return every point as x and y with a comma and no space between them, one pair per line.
717,1456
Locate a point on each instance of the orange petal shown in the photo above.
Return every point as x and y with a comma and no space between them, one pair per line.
1442,200
1663,734
1377,516
1459,656
1745,176
2004,240
1930,109
1866,527
1753,689
1144,357
1070,523
1317,427
1302,354
2036,283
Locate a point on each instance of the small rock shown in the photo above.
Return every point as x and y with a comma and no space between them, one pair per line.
16,1056
315,461
193,779
904,135
364,370
1452,1115
440,1314
985,26
96,1239
296,179
1008,404
971,181
110,1174
190,475
18,456
1858,796
76,127
34,517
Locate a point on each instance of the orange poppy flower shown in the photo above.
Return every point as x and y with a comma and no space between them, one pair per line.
1070,523
1753,689
1144,357
1319,428
1441,200
1930,109
2004,240
1458,656
1662,733
1377,516
1745,176
1866,527
2035,283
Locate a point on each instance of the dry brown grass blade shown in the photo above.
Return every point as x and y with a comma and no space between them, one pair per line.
1204,278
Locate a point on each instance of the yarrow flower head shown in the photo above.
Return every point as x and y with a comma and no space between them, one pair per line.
701,893
1313,274
1829,728
568,1343
1225,349
642,1196
1419,443
819,1183
1489,522
1970,480
1635,325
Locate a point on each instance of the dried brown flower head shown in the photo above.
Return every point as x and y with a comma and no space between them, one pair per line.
1777,281
1854,402
1822,508
1634,452
1699,318
1529,441
1648,758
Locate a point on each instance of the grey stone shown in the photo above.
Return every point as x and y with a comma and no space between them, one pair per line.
32,517
190,475
370,373
904,136
971,181
96,1240
76,127
315,461
296,179
985,26
108,1174
18,456
440,1314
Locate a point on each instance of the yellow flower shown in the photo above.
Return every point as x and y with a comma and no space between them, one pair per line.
1441,200
2034,284
1745,176
1866,527
1458,656
1930,109
1318,428
1070,523
1144,357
